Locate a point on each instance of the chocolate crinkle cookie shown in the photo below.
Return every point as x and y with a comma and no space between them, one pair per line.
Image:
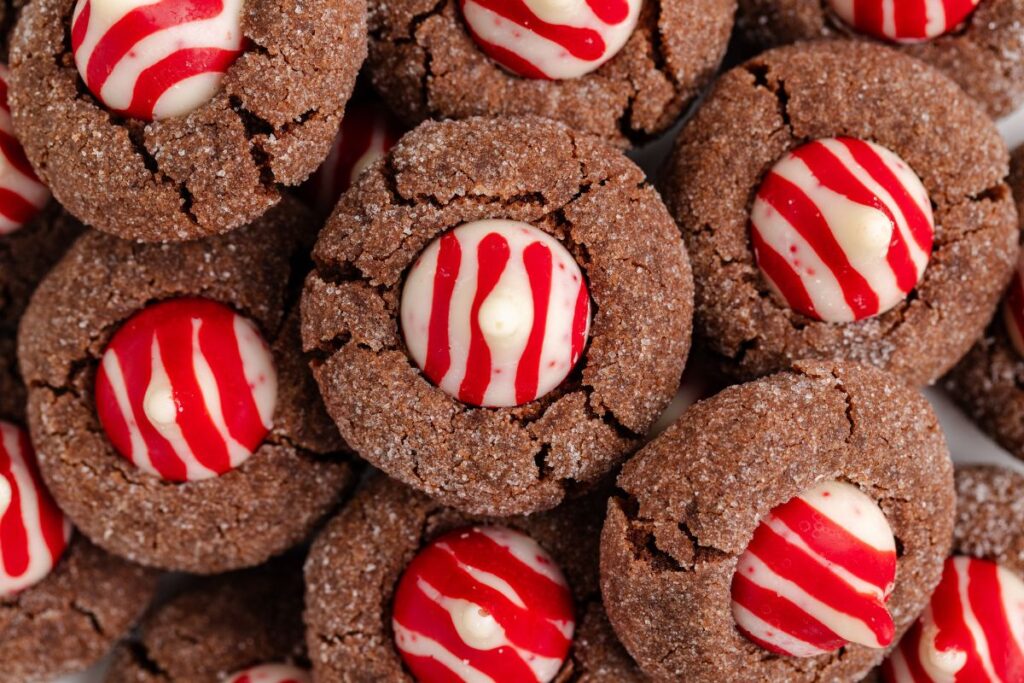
219,629
385,583
620,69
176,421
499,325
978,44
155,141
842,201
970,627
741,528
72,617
989,382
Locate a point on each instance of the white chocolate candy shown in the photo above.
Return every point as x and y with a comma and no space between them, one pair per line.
551,39
903,21
155,59
271,673
22,194
33,531
842,229
971,632
817,574
495,312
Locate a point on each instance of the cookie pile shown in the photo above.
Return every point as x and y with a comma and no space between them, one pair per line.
310,381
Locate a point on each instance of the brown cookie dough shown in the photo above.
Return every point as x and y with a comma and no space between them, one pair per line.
693,497
71,618
26,255
766,107
357,560
425,64
269,503
218,168
219,626
990,515
984,56
989,382
591,198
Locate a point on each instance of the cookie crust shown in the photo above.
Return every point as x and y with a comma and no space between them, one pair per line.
218,168
68,621
367,547
239,519
425,64
985,56
692,499
586,194
783,98
217,627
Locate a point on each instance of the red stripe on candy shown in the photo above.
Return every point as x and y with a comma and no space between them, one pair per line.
185,63
537,260
780,272
580,321
582,43
449,260
14,549
784,615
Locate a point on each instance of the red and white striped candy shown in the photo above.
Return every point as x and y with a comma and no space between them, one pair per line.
903,21
842,229
817,574
186,389
1013,308
971,632
271,673
33,530
367,132
155,59
483,605
551,39
22,194
495,312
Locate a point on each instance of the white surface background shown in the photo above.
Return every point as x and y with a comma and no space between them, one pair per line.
966,442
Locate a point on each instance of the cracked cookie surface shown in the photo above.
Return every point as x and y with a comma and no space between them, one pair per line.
692,499
355,564
217,627
269,503
69,621
584,193
221,166
425,64
985,56
759,111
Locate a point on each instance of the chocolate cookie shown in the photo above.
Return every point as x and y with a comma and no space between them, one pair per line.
692,498
982,51
70,619
425,62
988,382
580,200
268,126
969,627
218,627
132,452
912,313
356,562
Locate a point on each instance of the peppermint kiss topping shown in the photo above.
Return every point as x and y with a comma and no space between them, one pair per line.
495,312
551,39
186,389
904,21
33,531
1013,309
971,632
271,673
367,133
22,194
842,229
155,60
483,604
817,575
